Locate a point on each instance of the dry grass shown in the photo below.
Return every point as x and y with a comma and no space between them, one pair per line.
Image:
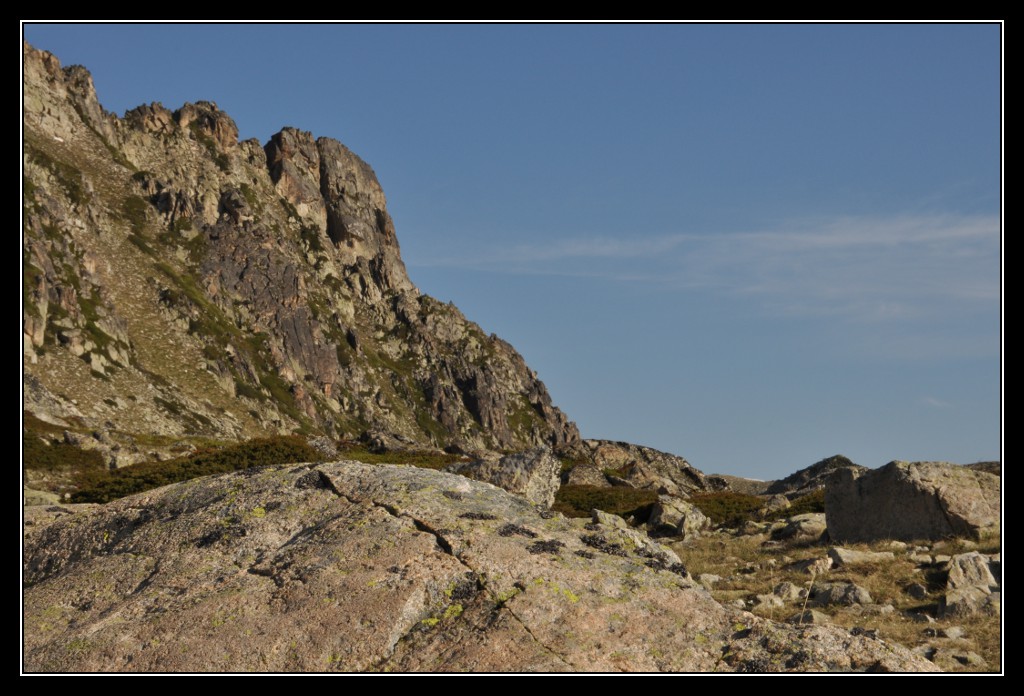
749,567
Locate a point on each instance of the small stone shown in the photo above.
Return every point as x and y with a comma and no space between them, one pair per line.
951,632
844,557
826,593
970,658
917,590
789,592
767,600
709,580
812,566
807,526
809,616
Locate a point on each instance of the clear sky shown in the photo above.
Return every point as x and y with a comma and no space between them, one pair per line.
754,246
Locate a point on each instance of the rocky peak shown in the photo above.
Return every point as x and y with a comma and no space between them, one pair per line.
209,121
178,281
334,190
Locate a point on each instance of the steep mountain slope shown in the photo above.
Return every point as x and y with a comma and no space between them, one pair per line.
180,282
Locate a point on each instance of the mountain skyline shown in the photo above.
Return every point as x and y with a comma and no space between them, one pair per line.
842,296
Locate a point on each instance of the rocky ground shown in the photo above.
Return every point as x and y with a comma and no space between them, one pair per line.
358,567
895,590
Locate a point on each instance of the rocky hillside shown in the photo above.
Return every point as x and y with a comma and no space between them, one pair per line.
180,282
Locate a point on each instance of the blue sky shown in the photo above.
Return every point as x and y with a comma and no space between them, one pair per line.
754,246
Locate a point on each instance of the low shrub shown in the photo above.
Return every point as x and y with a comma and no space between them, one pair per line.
812,502
59,456
102,487
726,508
422,459
579,501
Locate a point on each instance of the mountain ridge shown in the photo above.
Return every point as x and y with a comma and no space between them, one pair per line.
179,282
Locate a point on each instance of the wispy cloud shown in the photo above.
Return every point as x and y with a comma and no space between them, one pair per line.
932,402
864,269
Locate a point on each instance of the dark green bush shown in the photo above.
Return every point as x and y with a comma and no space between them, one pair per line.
579,501
106,486
812,502
59,456
422,459
728,508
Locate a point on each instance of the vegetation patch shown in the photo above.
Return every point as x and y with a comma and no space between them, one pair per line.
134,209
59,456
110,485
580,501
546,546
311,237
69,177
571,462
522,416
477,516
515,530
728,508
812,502
422,459
601,543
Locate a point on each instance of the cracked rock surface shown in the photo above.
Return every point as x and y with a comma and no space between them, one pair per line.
346,566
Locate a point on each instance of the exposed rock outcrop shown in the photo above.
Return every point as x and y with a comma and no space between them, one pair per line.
810,525
180,282
920,500
533,474
677,517
354,567
645,467
971,586
811,478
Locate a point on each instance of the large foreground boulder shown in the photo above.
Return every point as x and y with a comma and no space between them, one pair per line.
920,500
347,566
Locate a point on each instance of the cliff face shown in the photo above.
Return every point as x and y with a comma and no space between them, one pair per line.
180,282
